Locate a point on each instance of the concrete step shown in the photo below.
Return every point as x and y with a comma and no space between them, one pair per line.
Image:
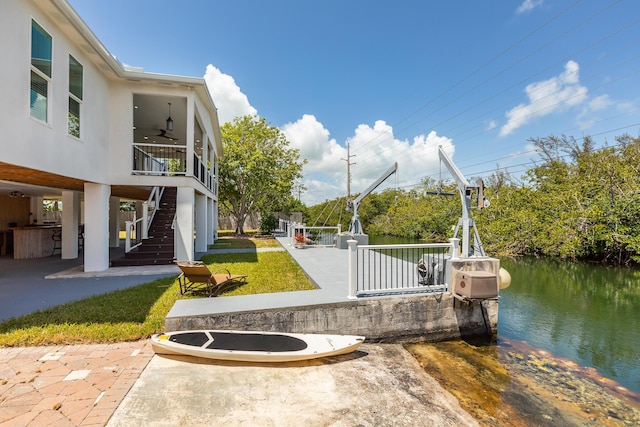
128,262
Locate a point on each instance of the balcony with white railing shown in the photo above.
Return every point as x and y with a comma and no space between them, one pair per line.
159,159
203,174
185,144
170,160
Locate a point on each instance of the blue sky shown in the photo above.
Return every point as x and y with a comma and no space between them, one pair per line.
395,79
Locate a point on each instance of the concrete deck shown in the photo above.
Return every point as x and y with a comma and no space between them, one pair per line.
29,285
390,318
377,385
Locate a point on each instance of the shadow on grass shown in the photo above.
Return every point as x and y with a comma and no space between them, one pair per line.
233,243
229,258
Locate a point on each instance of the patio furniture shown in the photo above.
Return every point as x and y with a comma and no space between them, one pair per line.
196,277
57,240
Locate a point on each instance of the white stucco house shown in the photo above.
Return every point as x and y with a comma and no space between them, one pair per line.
79,127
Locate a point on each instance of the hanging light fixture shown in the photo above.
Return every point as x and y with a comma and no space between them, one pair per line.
170,120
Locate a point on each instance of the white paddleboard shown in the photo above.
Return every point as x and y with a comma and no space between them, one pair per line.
253,346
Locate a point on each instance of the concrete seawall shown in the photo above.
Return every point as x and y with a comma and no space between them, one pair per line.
391,318
383,319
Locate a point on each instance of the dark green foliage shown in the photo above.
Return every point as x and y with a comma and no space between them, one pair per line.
268,222
579,203
258,169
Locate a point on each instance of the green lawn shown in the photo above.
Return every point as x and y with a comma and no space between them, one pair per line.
136,313
225,242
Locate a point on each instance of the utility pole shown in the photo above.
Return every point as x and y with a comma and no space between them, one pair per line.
299,187
348,160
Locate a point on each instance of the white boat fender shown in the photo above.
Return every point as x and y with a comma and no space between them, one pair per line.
504,278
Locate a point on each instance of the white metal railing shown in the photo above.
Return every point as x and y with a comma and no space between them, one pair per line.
300,234
203,174
170,160
150,207
133,237
136,231
393,269
159,159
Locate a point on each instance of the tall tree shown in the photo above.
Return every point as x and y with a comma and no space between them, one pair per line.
258,169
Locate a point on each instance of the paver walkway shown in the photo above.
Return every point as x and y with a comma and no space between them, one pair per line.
77,385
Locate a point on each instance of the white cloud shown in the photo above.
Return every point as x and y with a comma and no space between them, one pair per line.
325,174
588,117
600,103
528,5
375,149
312,139
226,95
557,94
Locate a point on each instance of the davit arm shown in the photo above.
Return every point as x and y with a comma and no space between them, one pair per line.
355,227
465,222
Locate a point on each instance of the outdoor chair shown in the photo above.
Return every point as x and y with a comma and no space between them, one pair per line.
57,240
196,277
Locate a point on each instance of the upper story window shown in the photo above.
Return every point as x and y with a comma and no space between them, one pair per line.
75,96
41,54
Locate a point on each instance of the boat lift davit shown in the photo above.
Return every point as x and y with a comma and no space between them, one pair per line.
355,228
465,222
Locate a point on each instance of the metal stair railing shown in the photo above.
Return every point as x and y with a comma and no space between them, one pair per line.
138,230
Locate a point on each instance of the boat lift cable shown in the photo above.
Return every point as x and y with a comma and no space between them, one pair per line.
332,209
320,214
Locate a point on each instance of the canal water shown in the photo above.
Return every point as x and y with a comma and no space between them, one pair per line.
586,313
567,350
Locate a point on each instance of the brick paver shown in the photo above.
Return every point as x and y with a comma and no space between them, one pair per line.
79,385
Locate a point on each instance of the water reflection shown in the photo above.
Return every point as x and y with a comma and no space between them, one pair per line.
512,384
586,313
567,351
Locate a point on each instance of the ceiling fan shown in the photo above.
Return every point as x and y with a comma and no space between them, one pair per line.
163,134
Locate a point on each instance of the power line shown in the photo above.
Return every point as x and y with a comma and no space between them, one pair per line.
486,64
483,173
517,84
492,60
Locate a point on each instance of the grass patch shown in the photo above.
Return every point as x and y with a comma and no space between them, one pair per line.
138,312
268,272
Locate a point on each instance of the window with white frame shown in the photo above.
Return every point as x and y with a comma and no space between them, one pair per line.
75,96
41,54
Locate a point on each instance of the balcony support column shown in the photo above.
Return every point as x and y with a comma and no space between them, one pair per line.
114,222
184,227
70,214
96,227
201,223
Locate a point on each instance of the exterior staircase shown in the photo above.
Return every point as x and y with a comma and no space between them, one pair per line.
158,248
